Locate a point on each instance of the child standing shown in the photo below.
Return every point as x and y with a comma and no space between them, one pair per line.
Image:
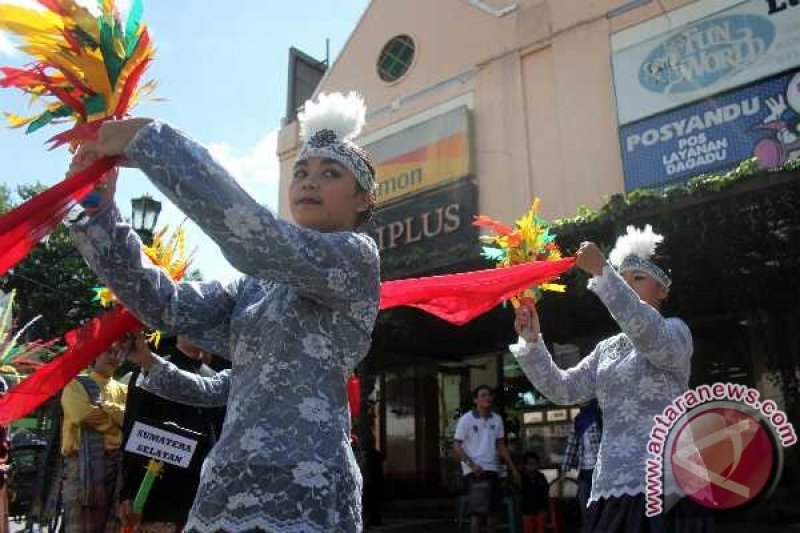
534,494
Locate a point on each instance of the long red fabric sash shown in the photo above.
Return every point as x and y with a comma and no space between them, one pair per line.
456,298
22,228
84,345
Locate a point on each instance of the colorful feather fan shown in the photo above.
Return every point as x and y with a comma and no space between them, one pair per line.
529,240
86,68
170,253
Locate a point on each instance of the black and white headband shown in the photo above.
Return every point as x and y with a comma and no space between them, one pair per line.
633,251
329,126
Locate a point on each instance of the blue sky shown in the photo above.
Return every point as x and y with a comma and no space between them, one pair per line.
222,68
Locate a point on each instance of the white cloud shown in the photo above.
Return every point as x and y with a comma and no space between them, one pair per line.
91,5
7,47
257,169
30,4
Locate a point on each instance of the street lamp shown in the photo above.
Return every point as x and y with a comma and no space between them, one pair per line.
144,216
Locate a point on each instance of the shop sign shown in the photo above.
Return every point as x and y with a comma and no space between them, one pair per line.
427,231
761,120
747,42
422,156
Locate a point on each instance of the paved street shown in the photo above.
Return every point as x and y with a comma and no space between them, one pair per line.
411,523
441,524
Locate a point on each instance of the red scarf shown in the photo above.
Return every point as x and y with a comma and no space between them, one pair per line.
456,298
85,344
22,228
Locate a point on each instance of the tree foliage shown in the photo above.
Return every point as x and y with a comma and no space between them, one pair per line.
53,281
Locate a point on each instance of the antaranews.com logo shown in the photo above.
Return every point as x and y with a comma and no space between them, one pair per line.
717,444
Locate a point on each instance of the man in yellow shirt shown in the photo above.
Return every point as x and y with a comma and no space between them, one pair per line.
94,407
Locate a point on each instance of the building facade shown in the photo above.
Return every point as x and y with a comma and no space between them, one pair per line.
481,106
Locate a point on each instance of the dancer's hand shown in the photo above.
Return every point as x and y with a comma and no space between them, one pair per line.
119,350
192,350
103,193
527,321
590,259
126,515
140,353
189,349
112,138
123,510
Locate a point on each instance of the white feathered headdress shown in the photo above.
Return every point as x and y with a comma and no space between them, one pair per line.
634,250
340,114
328,127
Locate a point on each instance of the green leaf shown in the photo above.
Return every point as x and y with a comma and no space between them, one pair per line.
493,254
45,118
132,26
112,61
94,104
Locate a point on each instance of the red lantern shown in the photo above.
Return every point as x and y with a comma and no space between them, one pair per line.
354,395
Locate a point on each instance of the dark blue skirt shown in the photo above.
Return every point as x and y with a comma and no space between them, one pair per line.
626,515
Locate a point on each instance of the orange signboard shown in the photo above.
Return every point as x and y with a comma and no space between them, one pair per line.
422,156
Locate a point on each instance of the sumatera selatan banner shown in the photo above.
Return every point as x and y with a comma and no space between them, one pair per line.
421,156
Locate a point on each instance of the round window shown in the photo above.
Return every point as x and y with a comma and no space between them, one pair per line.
396,58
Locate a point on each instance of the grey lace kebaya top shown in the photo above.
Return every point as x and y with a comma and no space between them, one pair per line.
294,327
166,380
634,375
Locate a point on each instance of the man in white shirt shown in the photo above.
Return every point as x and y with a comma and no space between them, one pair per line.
480,444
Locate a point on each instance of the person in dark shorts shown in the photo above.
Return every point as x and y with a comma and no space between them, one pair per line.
480,444
534,495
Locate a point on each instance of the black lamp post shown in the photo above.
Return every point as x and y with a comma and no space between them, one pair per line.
144,216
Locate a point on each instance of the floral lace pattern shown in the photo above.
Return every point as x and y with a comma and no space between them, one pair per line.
189,388
634,375
294,327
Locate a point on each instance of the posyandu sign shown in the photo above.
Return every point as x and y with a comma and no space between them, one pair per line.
761,120
714,53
